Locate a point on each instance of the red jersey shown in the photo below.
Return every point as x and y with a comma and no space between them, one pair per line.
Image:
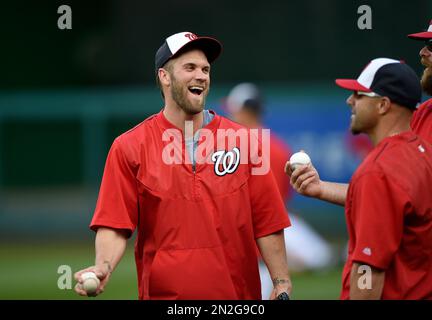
389,217
196,228
420,123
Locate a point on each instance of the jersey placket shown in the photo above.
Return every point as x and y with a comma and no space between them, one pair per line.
196,186
190,146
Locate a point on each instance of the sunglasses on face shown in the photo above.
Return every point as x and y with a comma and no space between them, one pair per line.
368,94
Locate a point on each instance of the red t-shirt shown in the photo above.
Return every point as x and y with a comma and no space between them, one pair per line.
196,230
389,217
420,123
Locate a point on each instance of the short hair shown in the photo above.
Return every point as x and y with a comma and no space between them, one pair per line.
167,66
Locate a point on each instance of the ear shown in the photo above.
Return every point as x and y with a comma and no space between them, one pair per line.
384,105
164,77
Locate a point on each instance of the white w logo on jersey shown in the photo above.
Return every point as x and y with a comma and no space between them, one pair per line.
226,161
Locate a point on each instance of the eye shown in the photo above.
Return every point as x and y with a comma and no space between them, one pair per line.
189,67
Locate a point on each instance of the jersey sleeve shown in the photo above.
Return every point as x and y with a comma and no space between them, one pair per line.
117,204
268,210
377,213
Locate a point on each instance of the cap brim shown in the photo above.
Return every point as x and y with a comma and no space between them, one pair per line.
351,84
211,47
421,35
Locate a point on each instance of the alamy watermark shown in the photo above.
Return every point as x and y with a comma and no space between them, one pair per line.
364,22
64,282
365,280
226,149
65,20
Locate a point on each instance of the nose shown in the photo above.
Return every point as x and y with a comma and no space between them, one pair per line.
201,75
350,100
424,52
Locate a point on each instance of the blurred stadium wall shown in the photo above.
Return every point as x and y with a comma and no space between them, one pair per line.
66,94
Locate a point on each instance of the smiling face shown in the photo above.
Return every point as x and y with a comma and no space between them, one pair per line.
188,81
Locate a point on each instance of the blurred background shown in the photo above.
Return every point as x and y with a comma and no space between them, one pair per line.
66,94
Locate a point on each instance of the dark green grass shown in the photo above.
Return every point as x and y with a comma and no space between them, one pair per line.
30,272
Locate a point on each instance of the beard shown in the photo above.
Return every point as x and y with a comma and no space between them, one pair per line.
355,131
362,124
354,127
180,94
426,80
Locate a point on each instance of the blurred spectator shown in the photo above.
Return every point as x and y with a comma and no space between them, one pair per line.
306,249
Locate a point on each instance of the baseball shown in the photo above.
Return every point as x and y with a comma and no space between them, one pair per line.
299,158
90,282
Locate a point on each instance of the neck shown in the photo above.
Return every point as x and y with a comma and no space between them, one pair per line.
254,124
397,124
179,118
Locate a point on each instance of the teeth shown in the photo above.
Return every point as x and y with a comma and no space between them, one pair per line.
196,88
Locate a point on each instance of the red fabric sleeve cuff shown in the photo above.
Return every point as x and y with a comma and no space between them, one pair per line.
272,229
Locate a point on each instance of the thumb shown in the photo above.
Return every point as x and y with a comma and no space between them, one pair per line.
287,168
102,270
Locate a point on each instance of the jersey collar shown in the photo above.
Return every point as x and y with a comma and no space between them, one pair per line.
165,124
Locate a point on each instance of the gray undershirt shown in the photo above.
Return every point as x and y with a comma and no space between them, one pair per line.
192,144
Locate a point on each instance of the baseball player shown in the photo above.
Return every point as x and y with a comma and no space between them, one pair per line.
421,122
306,181
198,208
387,207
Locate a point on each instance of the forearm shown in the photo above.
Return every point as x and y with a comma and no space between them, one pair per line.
366,283
334,192
273,252
110,246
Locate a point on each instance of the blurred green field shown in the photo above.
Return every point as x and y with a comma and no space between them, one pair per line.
29,271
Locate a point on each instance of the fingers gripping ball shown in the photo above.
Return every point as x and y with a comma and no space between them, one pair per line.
90,282
299,158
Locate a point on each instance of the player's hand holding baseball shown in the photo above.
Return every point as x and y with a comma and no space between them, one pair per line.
305,180
102,272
